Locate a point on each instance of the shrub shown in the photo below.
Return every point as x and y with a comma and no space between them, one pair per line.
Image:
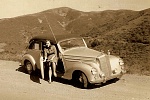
95,43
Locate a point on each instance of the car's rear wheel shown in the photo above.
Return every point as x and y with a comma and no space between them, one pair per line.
28,67
80,80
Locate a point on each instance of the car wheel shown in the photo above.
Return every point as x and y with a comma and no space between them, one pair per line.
29,67
80,80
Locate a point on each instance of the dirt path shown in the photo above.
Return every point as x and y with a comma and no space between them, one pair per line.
16,85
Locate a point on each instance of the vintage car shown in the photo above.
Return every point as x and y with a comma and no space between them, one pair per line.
76,61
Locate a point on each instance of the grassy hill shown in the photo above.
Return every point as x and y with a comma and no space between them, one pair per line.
125,33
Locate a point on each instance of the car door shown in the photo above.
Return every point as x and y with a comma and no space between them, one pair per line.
35,50
67,64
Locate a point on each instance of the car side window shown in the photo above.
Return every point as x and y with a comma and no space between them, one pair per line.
36,45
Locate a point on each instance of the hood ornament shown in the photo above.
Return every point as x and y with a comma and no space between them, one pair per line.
108,52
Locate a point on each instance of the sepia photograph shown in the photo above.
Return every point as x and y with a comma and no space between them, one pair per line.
74,49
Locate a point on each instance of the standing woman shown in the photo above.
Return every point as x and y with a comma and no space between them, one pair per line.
50,55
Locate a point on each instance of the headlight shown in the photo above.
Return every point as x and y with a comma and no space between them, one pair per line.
121,63
93,71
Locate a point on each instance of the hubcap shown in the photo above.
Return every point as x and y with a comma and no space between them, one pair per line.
29,67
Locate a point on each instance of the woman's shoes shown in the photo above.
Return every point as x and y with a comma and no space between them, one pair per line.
49,81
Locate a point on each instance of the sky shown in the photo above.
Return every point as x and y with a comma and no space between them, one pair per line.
14,8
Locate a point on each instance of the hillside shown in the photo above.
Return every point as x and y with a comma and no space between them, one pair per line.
125,33
131,41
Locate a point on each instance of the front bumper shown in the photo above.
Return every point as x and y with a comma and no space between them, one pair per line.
99,79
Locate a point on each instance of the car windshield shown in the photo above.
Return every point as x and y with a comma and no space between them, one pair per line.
71,43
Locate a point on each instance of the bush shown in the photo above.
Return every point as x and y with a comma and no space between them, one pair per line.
95,43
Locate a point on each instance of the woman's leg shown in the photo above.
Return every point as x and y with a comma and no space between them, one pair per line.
50,74
54,69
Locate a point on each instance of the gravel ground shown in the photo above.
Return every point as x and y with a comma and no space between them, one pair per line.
17,85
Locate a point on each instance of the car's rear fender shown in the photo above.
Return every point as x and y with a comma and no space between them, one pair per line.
28,57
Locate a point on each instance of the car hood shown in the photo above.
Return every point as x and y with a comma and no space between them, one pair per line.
83,52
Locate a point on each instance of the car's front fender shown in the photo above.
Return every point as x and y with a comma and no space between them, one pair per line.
79,66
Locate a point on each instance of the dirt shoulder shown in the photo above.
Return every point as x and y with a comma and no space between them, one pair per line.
16,85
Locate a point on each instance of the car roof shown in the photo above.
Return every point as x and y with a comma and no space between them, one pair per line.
53,39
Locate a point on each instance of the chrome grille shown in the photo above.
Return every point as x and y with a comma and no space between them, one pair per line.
105,66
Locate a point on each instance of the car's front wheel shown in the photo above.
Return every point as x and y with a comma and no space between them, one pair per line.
80,80
28,67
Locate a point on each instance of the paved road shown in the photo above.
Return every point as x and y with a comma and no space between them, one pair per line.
16,85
